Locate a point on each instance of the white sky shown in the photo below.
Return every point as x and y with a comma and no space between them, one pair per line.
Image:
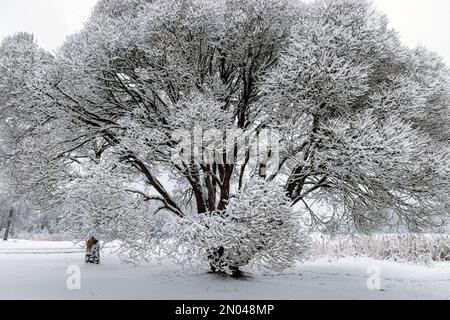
424,22
49,20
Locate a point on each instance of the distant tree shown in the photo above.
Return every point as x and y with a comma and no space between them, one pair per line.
9,224
21,68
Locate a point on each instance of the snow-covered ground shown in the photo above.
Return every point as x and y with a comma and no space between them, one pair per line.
38,270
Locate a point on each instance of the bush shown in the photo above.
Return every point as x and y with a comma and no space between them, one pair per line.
417,248
257,229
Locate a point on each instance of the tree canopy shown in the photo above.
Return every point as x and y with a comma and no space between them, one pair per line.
362,122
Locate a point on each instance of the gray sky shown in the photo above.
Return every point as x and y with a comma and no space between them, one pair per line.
424,22
49,20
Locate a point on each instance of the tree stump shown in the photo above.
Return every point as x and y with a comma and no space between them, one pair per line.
92,251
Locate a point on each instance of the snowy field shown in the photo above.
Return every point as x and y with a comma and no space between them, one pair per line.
38,270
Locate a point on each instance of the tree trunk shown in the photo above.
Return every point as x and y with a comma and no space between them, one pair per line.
8,225
220,265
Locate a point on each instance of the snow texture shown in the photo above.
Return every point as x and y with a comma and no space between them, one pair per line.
37,270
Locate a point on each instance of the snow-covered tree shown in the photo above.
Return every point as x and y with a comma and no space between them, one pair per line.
22,120
363,125
140,72
367,148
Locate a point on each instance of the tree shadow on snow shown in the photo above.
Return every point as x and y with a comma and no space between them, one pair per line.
242,276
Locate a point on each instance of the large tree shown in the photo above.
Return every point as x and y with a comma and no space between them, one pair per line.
362,121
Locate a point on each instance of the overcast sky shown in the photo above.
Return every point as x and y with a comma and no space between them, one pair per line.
424,22
49,20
